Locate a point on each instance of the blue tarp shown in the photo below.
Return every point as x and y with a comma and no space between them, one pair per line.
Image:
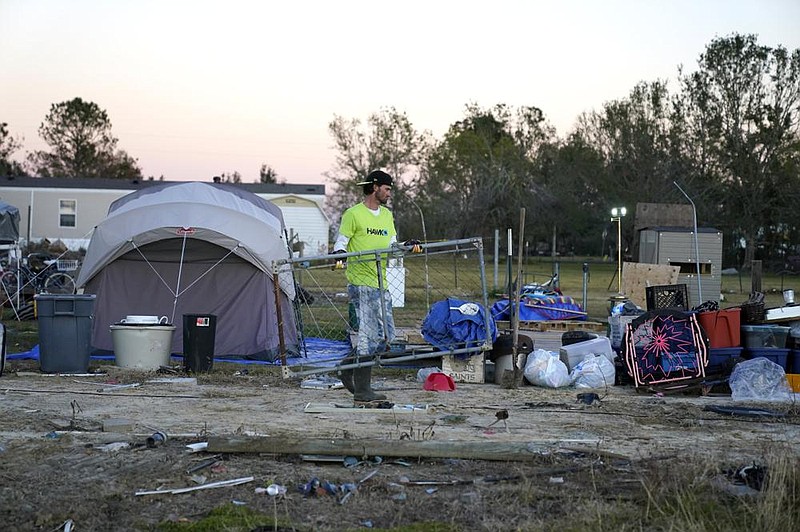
321,353
447,327
541,308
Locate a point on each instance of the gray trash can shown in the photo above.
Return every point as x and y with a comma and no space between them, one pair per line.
65,331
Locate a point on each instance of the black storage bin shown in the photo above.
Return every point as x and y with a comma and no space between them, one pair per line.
199,333
668,296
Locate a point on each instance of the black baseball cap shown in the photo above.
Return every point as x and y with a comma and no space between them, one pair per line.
378,178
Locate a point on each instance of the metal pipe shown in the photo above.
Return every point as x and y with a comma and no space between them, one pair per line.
585,282
696,246
378,361
619,255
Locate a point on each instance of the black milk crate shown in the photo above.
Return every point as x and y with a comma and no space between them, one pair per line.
672,296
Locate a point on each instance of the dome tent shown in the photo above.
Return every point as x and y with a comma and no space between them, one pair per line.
193,248
9,223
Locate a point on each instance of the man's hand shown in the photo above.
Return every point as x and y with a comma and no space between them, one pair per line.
340,263
415,245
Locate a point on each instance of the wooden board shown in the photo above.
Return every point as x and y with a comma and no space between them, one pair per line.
636,277
350,408
464,370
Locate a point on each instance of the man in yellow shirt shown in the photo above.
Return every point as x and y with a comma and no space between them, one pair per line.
367,226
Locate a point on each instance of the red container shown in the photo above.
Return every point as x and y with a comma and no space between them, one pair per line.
722,327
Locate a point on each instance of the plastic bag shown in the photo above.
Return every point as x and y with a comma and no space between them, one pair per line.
423,373
759,379
594,371
544,368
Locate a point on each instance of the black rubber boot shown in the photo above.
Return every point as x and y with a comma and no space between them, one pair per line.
346,375
362,378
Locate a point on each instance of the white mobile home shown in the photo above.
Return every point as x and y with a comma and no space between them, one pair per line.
68,209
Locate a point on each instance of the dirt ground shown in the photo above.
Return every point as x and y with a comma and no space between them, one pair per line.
57,463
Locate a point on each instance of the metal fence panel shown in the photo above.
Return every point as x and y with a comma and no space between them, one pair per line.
415,280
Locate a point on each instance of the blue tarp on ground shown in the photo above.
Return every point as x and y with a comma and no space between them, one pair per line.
321,353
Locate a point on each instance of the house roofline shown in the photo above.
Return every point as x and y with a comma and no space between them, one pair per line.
126,184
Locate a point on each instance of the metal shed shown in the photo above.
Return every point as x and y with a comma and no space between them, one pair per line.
674,246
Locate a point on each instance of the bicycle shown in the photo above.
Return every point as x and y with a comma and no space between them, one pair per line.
19,284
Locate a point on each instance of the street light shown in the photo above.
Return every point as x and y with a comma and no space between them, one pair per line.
616,216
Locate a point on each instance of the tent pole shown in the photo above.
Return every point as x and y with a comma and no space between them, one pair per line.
279,314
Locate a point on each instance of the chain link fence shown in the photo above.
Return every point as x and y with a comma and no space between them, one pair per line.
415,280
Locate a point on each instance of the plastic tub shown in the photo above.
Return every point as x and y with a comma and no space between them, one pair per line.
723,327
793,364
758,336
142,346
574,353
719,359
775,354
794,382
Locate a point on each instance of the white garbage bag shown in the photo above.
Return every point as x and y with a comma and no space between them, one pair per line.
544,368
594,371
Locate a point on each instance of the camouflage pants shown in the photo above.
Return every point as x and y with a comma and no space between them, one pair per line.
367,303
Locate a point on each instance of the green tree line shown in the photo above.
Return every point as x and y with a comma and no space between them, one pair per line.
725,130
727,134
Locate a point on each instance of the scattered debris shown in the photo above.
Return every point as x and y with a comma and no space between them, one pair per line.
113,447
156,439
273,490
220,484
753,476
205,463
197,447
173,380
322,382
117,387
457,482
588,398
118,424
352,461
453,419
743,411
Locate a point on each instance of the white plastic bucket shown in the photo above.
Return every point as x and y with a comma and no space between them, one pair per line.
142,346
501,364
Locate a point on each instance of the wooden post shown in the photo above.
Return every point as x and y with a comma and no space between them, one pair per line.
515,317
755,276
279,314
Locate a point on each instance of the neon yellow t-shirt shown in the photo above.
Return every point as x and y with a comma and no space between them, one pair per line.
365,232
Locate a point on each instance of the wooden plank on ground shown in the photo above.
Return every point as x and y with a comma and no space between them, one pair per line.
343,408
468,450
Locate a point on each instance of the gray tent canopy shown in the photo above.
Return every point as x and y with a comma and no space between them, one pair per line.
9,223
193,248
